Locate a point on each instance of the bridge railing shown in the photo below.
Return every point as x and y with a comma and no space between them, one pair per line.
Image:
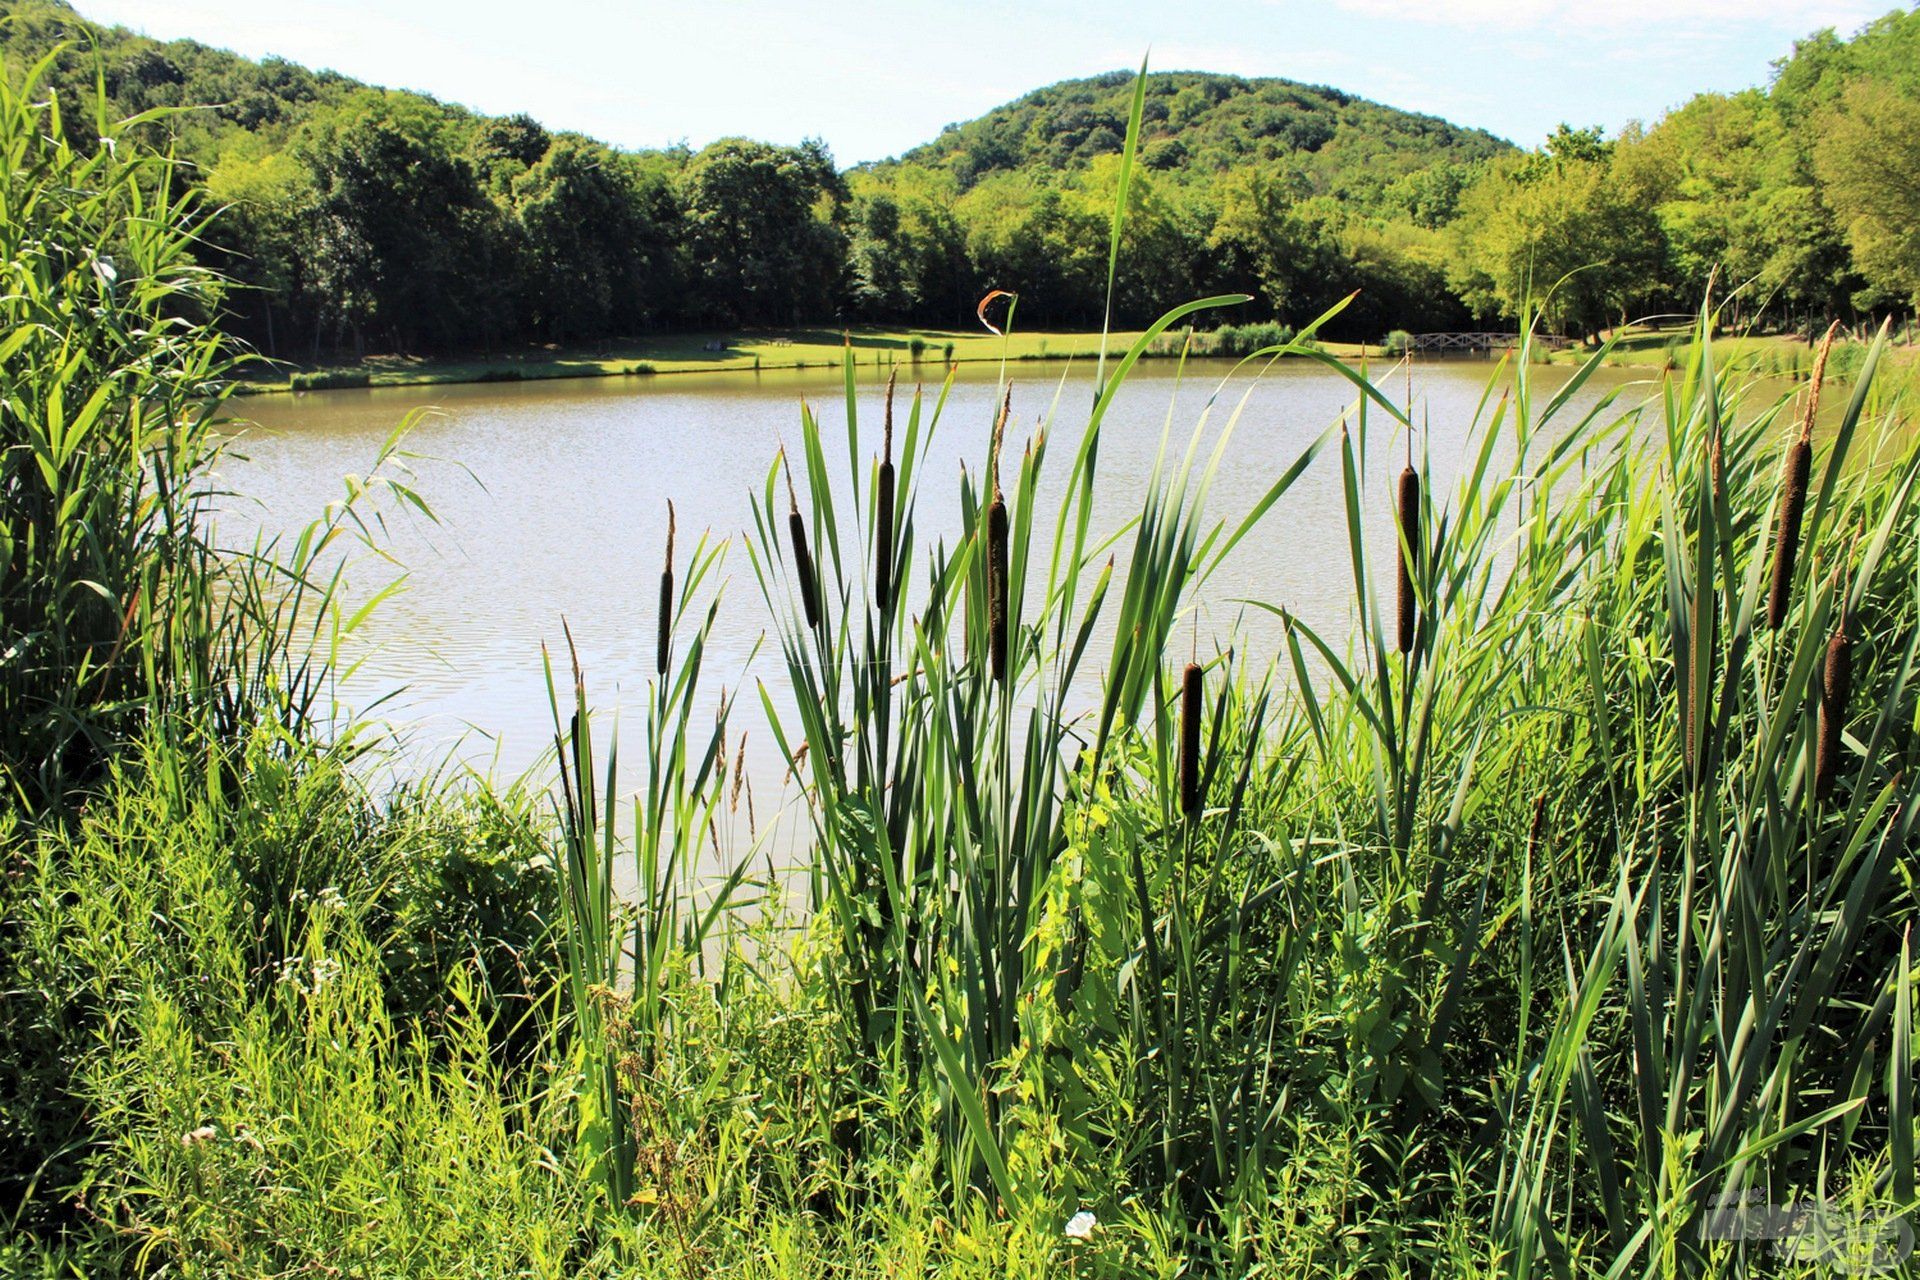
1482,342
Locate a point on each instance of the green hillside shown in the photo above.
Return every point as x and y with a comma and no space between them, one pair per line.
359,220
1199,123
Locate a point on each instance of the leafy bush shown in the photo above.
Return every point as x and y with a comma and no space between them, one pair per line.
105,418
330,380
1397,343
1245,339
161,894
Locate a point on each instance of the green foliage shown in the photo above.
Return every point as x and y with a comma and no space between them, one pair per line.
1561,226
750,215
1205,124
358,219
104,419
178,910
1868,156
1514,947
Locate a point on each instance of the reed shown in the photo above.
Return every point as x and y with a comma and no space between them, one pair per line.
1836,689
997,554
883,519
1793,492
1190,704
1408,528
803,570
1704,617
663,645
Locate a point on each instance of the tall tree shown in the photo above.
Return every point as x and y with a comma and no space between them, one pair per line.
1868,155
405,243
762,222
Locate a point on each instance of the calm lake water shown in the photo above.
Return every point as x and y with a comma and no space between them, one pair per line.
550,500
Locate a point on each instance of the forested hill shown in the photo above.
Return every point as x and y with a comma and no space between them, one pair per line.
1199,123
357,219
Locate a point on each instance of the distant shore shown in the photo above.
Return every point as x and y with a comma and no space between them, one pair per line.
924,353
747,351
751,351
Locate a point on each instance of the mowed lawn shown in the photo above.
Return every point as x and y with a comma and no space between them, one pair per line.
928,350
701,353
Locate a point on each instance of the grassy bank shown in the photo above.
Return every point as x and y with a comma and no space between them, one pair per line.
800,348
1779,354
918,353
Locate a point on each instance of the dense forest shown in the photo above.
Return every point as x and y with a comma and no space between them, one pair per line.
360,218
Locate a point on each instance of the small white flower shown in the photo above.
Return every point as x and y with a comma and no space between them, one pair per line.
1080,1226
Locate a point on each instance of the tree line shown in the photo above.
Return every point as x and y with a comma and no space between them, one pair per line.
362,219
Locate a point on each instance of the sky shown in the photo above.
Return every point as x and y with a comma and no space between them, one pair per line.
874,79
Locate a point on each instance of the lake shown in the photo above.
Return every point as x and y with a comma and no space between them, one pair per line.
550,503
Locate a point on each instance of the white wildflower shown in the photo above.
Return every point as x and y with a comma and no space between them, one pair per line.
1080,1226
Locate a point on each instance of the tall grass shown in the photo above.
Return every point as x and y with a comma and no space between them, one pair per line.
1527,888
117,606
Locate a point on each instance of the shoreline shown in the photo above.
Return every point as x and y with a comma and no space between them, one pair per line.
917,349
767,352
813,347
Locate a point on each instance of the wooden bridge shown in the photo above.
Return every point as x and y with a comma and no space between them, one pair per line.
1481,343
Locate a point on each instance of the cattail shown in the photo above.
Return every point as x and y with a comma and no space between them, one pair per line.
883,536
997,556
997,586
1793,493
802,560
665,649
1836,686
1190,741
1410,535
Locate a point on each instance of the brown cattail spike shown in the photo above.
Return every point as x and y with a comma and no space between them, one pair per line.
665,647
1836,687
1190,741
1410,547
997,567
883,517
1786,542
1793,494
997,586
802,559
